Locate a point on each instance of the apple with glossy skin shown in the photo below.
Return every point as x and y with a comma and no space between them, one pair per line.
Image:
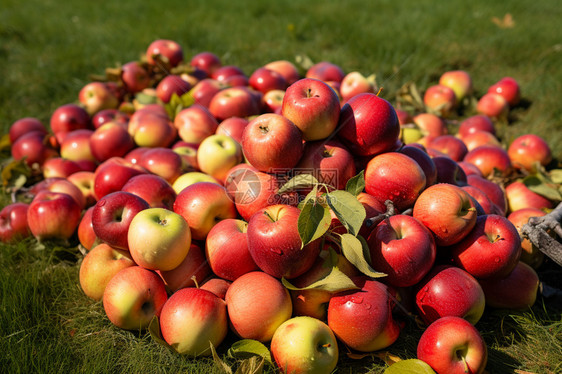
32,148
362,319
111,139
76,146
61,185
449,291
170,50
84,180
478,122
452,345
133,297
530,254
188,155
280,258
449,145
494,192
67,118
153,189
403,248
112,216
459,81
218,286
329,161
264,80
163,162
491,250
396,177
25,125
488,158
191,272
96,96
169,85
233,127
58,167
440,100
469,169
111,175
368,125
286,68
158,239
519,196
325,71
272,101
430,124
13,222
150,128
109,115
447,211
449,171
508,88
226,71
313,107
355,83
192,320
203,205
195,123
53,215
217,154
518,290
526,150
206,61
135,78
304,345
488,207
271,141
204,91
257,305
192,177
99,265
86,234
233,102
478,138
493,105
424,161
226,249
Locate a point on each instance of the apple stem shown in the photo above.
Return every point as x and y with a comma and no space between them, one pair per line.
268,216
327,345
379,91
194,279
463,359
390,211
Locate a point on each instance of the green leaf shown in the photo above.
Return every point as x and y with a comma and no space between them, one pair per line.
556,176
312,195
356,185
314,220
187,100
145,99
252,365
348,209
246,348
356,251
335,281
220,363
154,330
411,366
538,185
300,181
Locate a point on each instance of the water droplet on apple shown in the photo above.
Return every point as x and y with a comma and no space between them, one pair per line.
277,251
357,299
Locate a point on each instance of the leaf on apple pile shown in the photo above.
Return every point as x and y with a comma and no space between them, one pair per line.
145,99
15,174
411,366
247,348
220,363
542,184
556,176
177,103
356,251
304,62
356,185
348,209
408,97
5,144
156,334
336,281
300,181
314,220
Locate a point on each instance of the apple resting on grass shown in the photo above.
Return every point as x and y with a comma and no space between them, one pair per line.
13,222
304,345
53,215
452,345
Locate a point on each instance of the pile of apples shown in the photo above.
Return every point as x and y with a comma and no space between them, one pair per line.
305,213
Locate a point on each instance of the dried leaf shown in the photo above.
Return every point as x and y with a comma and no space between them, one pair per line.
220,363
156,334
506,22
252,365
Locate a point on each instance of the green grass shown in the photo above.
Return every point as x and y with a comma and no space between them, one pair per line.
47,52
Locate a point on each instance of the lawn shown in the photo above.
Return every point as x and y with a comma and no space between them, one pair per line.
48,51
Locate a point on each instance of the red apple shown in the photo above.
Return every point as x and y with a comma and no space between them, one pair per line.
353,84
494,192
272,101
257,305
204,90
25,125
325,71
459,81
493,105
112,216
233,102
203,205
218,286
110,140
111,175
478,138
452,345
109,115
233,127
195,123
169,50
163,162
96,96
447,211
396,177
86,234
31,147
362,319
424,161
76,146
67,118
99,265
53,215
169,85
402,248
449,171
133,297
488,158
449,145
519,196
530,254
368,125
226,71
206,61
84,180
271,141
449,291
264,80
13,222
508,88
313,107
151,128
58,167
430,124
153,189
192,271
193,320
488,207
491,250
475,123
527,150
61,185
135,78
440,100
286,68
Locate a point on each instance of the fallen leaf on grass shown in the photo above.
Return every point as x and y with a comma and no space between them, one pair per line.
506,23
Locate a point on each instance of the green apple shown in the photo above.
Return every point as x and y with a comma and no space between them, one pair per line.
159,239
217,154
304,345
